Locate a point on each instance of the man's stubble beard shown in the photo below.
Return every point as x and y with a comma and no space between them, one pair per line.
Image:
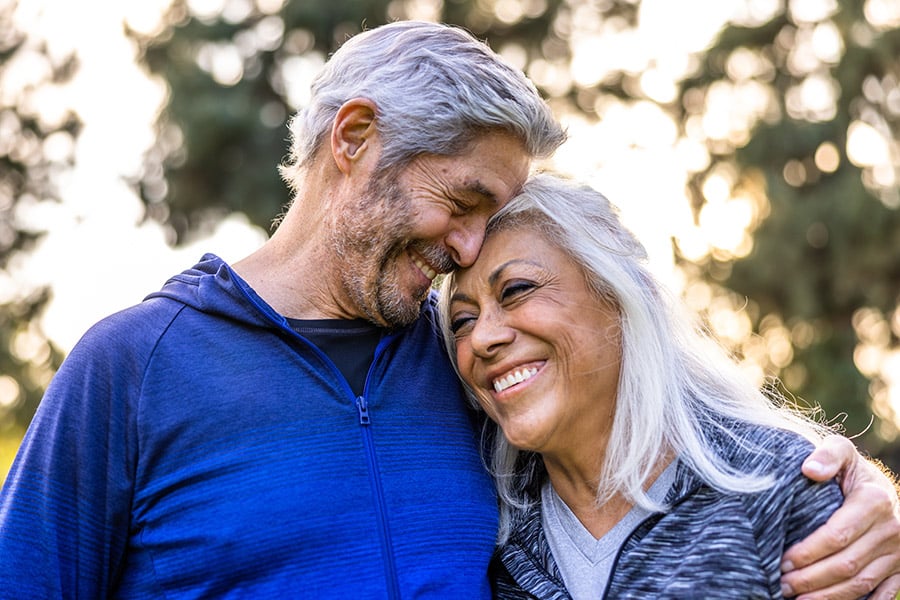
371,239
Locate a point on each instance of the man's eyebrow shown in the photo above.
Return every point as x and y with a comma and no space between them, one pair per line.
482,190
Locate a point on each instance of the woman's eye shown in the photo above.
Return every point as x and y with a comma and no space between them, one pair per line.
516,288
461,324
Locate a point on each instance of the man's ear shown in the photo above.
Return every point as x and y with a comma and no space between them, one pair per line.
353,132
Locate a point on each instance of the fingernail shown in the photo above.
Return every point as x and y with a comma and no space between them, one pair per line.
786,590
787,566
815,466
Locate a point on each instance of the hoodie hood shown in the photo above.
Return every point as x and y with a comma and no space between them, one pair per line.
212,287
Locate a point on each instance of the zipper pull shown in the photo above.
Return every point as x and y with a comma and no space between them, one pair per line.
363,409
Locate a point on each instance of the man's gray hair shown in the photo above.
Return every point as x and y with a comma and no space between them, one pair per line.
435,88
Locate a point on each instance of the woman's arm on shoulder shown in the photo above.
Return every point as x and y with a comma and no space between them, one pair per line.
858,549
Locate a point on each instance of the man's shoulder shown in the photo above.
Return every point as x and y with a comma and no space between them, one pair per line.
127,331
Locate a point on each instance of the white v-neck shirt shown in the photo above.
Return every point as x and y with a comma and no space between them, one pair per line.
584,561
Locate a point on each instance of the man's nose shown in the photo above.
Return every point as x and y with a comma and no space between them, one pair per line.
465,242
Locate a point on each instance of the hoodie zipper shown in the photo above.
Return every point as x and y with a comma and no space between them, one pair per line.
365,422
384,532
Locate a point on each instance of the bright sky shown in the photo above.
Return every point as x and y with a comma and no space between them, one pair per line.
98,258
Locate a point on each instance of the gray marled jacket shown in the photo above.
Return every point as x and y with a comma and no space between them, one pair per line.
710,545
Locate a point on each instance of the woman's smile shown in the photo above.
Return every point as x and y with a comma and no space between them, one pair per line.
537,345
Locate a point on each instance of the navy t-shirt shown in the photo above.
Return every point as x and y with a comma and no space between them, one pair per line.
350,344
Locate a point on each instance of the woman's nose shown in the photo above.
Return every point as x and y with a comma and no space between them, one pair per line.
490,334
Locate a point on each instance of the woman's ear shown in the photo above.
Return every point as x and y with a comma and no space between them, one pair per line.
353,132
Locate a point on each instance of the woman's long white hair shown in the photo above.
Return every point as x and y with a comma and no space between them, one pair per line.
678,389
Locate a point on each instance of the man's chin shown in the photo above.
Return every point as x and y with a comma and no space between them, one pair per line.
397,314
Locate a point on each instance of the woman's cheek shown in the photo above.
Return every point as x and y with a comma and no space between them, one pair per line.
464,361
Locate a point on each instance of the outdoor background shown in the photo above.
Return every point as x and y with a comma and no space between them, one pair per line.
751,144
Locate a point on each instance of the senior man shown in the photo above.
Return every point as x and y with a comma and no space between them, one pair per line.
289,426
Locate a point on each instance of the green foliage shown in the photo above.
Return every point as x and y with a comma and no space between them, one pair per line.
828,247
830,244
25,176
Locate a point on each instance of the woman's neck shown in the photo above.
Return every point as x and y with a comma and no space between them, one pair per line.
578,489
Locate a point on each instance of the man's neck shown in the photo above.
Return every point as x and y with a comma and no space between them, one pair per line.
293,271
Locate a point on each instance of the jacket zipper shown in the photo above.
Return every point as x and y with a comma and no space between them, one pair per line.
384,533
365,421
621,550
683,494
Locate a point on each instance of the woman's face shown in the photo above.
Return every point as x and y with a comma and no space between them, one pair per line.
540,349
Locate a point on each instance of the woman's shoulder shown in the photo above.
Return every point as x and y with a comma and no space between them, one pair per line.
763,448
778,454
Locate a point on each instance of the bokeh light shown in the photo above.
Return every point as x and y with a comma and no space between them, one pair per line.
101,254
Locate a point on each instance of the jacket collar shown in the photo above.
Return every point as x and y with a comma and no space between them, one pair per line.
527,556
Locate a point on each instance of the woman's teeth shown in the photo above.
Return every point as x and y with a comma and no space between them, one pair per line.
513,378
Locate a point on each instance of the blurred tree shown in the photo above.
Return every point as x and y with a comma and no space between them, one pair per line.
34,146
823,162
794,108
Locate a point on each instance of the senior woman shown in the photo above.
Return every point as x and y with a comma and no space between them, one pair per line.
632,460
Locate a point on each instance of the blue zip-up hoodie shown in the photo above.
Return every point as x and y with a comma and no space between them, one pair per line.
194,446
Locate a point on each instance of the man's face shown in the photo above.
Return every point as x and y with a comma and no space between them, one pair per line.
426,219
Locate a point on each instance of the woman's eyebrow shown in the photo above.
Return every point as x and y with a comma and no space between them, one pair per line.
493,277
498,272
458,297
